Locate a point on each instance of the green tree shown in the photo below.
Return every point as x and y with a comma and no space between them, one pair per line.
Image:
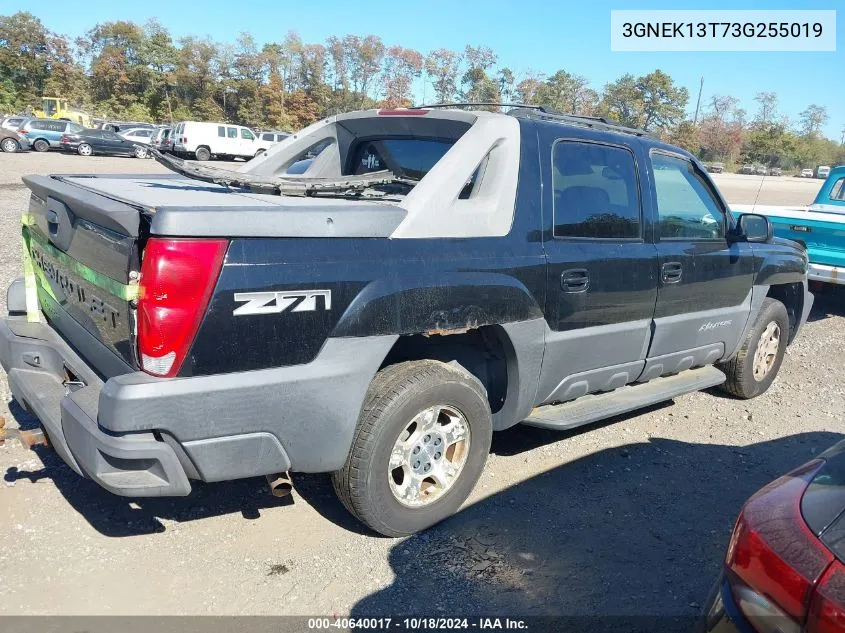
568,93
443,66
649,102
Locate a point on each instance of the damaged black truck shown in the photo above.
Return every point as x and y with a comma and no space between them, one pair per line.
379,293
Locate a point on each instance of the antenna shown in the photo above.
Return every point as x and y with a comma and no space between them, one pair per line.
759,189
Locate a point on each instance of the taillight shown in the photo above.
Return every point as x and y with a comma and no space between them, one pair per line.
65,139
177,279
22,131
402,112
773,558
827,608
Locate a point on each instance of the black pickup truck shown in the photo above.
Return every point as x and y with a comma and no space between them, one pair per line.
377,294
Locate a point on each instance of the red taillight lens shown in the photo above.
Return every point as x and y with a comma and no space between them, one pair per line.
827,608
403,112
22,131
774,554
177,279
65,139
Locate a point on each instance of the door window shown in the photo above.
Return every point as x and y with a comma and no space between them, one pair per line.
247,135
838,190
687,208
233,132
595,191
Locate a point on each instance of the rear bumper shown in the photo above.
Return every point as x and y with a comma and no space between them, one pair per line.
827,274
721,614
137,435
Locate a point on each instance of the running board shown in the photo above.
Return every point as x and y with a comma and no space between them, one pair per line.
595,407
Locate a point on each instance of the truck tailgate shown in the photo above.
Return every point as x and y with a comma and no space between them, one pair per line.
83,247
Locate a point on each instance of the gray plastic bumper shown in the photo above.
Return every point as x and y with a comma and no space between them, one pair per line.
137,465
137,435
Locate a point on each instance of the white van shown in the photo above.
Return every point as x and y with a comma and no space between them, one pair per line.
194,139
823,171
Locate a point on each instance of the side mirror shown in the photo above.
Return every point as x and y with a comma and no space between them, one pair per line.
755,228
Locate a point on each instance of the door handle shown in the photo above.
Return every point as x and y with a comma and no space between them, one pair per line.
671,272
574,280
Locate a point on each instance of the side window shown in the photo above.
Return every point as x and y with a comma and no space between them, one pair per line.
686,207
837,192
233,132
267,137
246,134
221,131
595,191
37,125
76,129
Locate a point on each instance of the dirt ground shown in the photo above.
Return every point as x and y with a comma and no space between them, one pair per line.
630,516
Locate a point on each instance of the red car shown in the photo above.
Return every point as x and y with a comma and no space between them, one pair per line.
784,569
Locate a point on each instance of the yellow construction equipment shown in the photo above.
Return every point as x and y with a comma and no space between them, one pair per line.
57,108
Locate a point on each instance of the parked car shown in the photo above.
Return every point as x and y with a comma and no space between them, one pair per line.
819,227
142,136
195,139
776,171
122,126
747,169
13,122
43,134
822,171
806,173
90,142
784,570
715,168
548,279
161,138
761,170
11,141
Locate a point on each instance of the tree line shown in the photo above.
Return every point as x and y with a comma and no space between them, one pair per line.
138,72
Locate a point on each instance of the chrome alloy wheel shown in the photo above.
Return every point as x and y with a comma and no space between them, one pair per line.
767,351
429,456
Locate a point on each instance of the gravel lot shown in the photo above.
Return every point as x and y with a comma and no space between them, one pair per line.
626,517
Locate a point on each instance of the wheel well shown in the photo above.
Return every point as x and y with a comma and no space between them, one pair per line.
481,351
792,297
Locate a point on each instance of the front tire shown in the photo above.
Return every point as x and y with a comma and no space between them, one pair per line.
10,145
41,145
756,366
83,149
203,154
140,152
419,448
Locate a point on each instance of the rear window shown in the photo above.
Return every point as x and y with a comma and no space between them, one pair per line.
409,157
48,126
838,190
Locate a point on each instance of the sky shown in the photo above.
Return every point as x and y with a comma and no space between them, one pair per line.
535,35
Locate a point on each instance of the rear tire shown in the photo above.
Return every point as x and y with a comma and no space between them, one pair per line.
203,153
755,367
83,149
40,145
10,145
421,442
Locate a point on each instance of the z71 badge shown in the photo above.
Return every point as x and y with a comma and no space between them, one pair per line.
280,300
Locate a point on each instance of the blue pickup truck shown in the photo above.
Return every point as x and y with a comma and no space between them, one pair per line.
819,227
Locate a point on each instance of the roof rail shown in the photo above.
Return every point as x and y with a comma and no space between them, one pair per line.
476,104
545,113
597,122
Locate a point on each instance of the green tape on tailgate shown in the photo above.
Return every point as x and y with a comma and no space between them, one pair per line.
126,292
